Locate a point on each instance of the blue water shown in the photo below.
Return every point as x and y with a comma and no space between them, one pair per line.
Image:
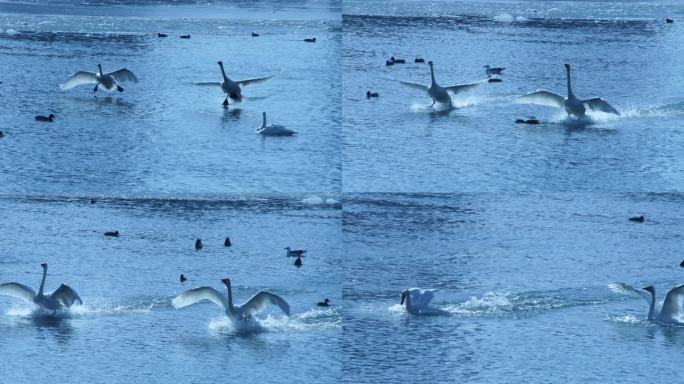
622,51
518,228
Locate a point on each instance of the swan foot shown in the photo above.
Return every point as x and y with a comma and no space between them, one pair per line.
225,103
433,103
118,88
95,89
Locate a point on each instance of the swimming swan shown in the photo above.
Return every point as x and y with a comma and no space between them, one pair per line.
232,89
438,93
571,104
64,296
236,313
273,129
417,301
105,81
667,311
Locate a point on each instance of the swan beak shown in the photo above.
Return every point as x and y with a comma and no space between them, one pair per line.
44,265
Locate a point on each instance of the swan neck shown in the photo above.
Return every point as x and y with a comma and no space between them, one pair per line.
230,296
223,72
42,282
263,120
651,309
432,75
567,71
409,305
99,67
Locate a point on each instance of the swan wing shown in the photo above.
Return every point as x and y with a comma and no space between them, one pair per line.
421,297
78,78
598,104
20,291
417,86
546,98
262,300
629,290
196,295
209,84
672,304
456,89
66,296
256,80
123,74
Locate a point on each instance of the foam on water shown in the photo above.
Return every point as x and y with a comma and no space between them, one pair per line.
313,319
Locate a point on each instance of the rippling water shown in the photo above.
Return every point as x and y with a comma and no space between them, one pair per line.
523,281
622,51
519,228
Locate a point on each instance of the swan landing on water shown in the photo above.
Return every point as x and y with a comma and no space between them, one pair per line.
236,313
417,302
572,105
440,94
105,81
666,312
64,296
232,89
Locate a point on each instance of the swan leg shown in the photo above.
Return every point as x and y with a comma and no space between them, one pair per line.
225,102
433,103
95,89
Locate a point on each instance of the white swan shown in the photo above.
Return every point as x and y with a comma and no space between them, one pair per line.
667,311
64,296
105,81
417,301
273,129
571,104
438,93
232,89
236,313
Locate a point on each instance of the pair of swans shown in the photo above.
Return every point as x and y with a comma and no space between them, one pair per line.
62,297
417,302
106,81
665,312
232,89
571,104
236,313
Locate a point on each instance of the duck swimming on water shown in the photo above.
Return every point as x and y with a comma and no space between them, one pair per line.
49,118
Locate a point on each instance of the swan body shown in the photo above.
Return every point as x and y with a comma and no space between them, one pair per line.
667,311
105,81
417,301
232,89
572,105
260,301
64,296
438,93
198,244
273,129
638,219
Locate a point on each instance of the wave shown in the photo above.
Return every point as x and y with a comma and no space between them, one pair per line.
498,304
235,202
314,319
